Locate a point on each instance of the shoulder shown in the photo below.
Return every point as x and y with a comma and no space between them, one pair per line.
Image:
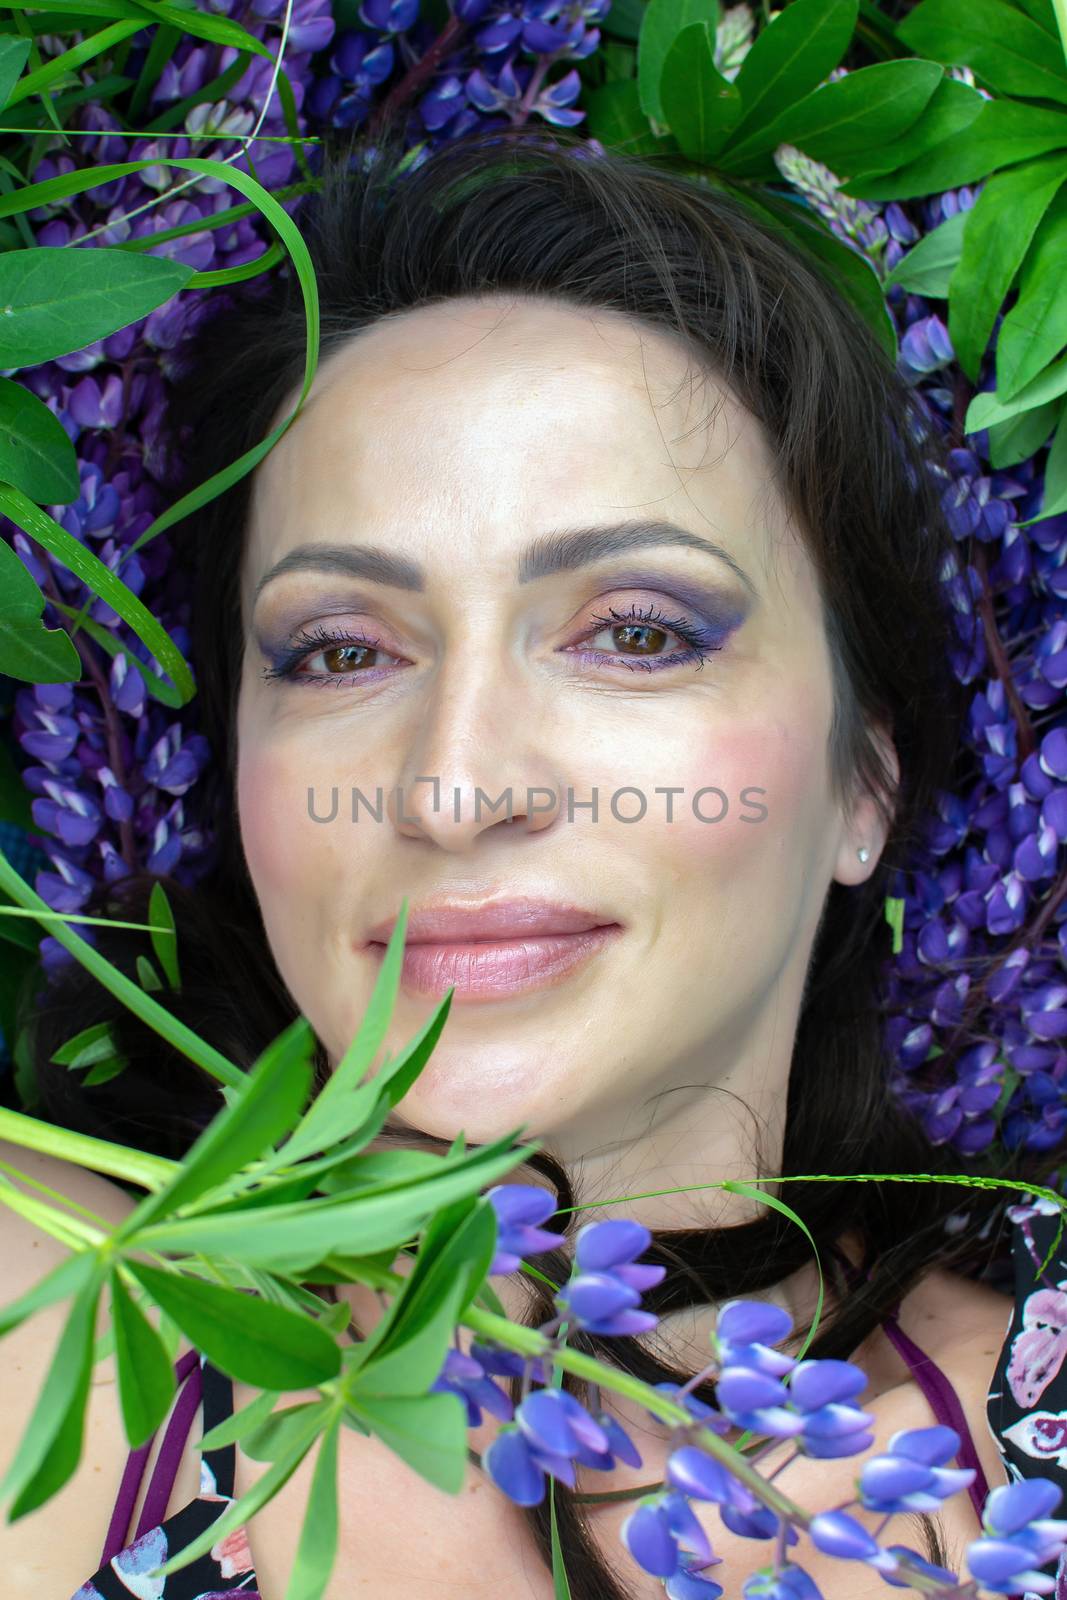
50,1552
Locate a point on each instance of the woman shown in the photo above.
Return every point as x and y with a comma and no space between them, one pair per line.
593,604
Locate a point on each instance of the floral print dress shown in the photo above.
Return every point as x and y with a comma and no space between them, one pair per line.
1027,1405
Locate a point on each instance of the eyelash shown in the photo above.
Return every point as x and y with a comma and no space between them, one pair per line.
699,642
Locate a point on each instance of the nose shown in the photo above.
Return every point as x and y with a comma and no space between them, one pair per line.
478,760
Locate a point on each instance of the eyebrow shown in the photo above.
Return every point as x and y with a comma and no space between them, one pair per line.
562,550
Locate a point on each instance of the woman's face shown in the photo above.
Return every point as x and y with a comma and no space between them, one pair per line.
466,626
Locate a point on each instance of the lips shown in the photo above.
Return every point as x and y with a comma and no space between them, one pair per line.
452,923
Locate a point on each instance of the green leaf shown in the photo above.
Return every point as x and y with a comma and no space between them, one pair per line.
145,1374
1034,331
317,1550
13,53
986,409
243,1510
56,300
410,1366
147,976
1041,11
240,1423
36,453
700,106
1006,49
429,1433
293,1238
661,23
104,1071
82,1049
277,1433
1054,501
50,1446
993,253
755,1191
1002,133
927,268
953,107
164,934
28,650
258,1343
156,686
840,122
791,56
262,1110
68,1278
1020,437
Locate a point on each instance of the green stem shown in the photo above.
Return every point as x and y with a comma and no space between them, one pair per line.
70,1231
118,1160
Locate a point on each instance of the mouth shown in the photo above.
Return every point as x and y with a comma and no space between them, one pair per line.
493,951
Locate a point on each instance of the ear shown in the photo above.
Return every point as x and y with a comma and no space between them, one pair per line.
864,826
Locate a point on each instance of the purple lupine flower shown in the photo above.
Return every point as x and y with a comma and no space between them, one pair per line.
1020,1538
464,1375
910,1475
603,1293
786,1583
519,1208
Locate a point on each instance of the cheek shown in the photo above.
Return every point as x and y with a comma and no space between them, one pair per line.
286,850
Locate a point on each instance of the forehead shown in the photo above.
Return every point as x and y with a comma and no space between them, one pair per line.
489,416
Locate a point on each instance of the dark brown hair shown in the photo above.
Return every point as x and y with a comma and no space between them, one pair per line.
519,212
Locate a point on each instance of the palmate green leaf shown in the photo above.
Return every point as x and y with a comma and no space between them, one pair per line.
1022,436
791,56
28,650
428,1432
43,1461
262,1110
952,107
293,1238
1034,331
255,1342
700,106
36,453
993,253
986,409
145,1374
100,579
1003,133
117,983
58,300
840,122
409,1366
927,268
661,23
13,54
1007,50
241,1511
317,1550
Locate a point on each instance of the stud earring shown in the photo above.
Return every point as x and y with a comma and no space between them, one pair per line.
863,852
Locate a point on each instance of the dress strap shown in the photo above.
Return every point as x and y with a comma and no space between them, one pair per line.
944,1402
220,1464
187,1374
